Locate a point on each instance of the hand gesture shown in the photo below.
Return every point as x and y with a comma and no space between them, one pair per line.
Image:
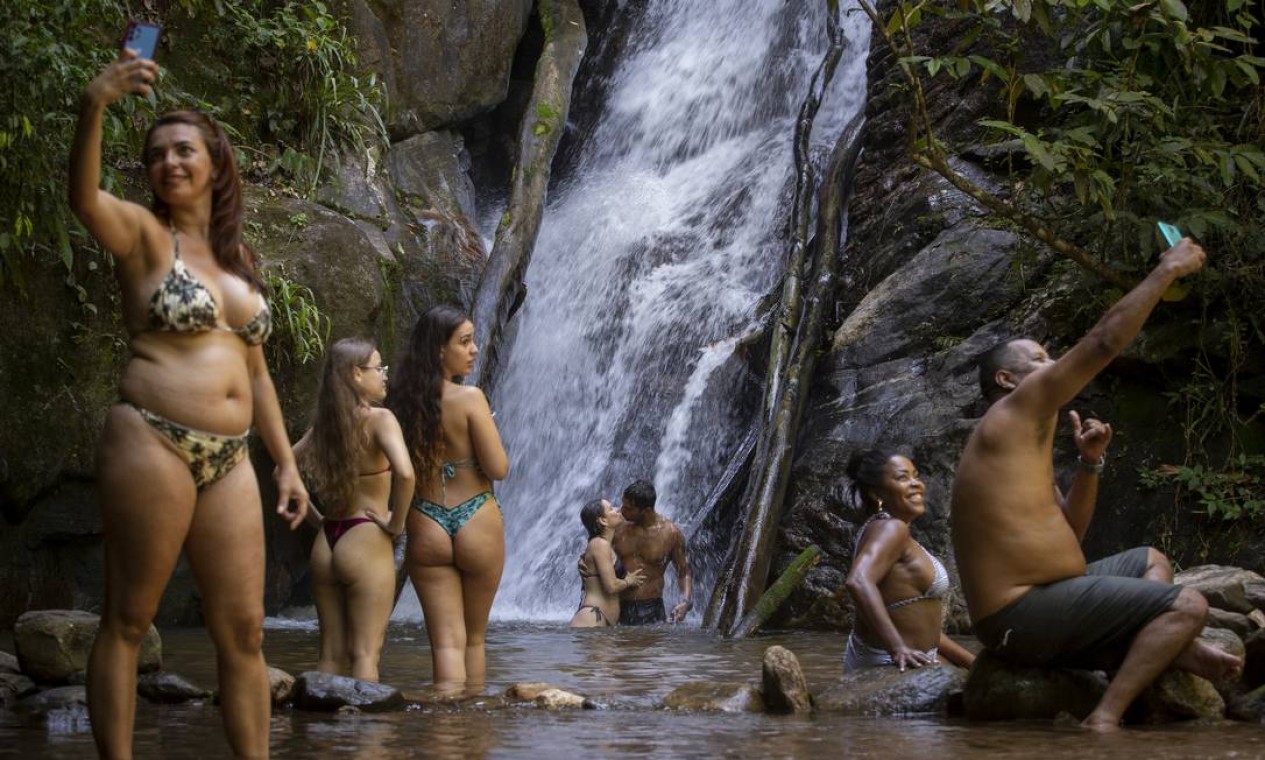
634,579
292,498
129,75
904,657
1091,437
379,521
582,567
1187,257
680,611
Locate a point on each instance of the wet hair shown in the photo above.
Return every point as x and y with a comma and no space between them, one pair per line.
330,460
418,385
230,249
590,513
641,493
992,361
867,469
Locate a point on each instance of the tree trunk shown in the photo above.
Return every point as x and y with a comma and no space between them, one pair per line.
772,599
501,288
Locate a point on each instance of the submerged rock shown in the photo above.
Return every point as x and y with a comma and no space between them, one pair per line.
280,685
888,691
53,645
527,691
168,688
325,692
14,686
711,696
784,689
72,699
558,699
996,690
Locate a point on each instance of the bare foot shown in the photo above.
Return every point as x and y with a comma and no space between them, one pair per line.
1101,723
1207,661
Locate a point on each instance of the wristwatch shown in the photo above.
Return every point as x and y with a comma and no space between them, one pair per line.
1094,467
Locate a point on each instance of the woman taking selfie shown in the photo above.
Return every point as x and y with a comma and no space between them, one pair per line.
355,460
456,540
172,466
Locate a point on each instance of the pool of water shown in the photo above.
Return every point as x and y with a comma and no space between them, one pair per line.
627,671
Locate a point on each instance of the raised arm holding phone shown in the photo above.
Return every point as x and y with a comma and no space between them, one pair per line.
172,466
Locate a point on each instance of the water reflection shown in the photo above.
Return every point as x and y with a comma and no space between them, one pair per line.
628,671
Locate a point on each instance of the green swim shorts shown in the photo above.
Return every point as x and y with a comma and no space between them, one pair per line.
1084,622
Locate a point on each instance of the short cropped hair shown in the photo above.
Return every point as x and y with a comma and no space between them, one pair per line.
641,493
995,359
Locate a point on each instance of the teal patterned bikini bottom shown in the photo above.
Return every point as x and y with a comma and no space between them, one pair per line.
452,520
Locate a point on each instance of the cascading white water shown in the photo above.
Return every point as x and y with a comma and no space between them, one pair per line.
652,258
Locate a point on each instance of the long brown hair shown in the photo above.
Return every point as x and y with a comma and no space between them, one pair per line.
231,251
331,459
417,388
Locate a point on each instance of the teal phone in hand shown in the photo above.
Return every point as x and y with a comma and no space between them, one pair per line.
1170,232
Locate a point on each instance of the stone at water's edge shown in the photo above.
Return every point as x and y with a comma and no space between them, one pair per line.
168,688
887,691
1176,696
996,690
14,686
324,692
63,698
559,699
280,685
1248,707
1254,659
53,645
1239,625
9,663
1224,587
710,696
784,687
527,691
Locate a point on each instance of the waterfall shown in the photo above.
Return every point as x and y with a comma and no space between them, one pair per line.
652,258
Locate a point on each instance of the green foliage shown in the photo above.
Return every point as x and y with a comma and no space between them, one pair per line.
282,77
302,328
1235,493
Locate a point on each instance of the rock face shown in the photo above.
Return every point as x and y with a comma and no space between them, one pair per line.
887,691
53,645
327,693
442,62
784,687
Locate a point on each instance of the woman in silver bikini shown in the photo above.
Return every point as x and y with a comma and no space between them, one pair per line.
896,584
456,539
172,469
355,460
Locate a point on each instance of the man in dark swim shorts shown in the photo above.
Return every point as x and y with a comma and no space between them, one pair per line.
1017,538
649,541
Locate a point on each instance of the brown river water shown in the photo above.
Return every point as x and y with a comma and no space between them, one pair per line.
628,671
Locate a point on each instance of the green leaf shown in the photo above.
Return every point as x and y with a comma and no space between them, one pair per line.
1036,85
1175,9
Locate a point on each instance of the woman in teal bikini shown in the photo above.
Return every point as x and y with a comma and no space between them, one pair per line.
355,459
172,469
456,539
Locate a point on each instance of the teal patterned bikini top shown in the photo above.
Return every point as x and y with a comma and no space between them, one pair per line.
183,304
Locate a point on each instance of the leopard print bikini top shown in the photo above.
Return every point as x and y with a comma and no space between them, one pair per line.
183,304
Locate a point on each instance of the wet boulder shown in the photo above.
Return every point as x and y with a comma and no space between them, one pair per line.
784,688
53,645
280,685
712,696
1239,625
14,686
888,691
1223,586
168,688
1254,659
9,663
1177,696
1248,707
996,690
527,691
61,703
324,692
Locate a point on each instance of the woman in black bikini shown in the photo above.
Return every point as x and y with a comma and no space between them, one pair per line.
599,605
456,539
354,458
172,469
896,584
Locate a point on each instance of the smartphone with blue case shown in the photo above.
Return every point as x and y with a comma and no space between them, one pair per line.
143,38
1170,232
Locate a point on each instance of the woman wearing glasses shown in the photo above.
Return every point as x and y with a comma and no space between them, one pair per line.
172,469
456,540
355,460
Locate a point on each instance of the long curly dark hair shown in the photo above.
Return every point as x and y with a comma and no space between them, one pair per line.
866,469
418,386
330,460
230,249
